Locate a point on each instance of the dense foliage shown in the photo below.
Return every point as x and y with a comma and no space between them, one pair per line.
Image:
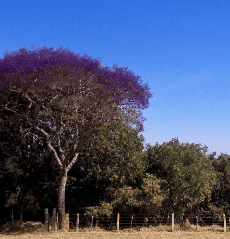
29,179
93,180
220,195
128,200
189,175
98,184
113,148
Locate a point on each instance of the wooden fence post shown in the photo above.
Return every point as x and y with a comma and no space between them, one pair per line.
118,219
67,222
196,222
131,225
54,220
12,215
224,222
57,222
172,222
97,220
46,219
92,221
77,222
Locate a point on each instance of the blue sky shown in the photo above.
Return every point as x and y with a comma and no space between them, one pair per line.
181,48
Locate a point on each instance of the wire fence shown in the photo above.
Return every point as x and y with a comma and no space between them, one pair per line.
116,221
145,220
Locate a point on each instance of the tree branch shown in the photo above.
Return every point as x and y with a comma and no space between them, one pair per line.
76,141
81,142
48,144
31,102
72,162
52,100
59,145
51,129
5,108
36,128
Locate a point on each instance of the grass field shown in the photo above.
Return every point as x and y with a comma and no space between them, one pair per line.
160,232
120,235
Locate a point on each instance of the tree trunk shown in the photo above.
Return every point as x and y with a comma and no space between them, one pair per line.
61,199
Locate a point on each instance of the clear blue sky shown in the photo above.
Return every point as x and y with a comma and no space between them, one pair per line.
181,48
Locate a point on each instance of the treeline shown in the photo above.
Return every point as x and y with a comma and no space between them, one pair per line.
70,137
113,173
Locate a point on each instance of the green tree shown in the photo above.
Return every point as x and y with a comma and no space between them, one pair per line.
113,148
189,175
65,98
146,199
220,195
29,179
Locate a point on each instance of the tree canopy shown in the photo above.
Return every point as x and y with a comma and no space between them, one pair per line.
220,195
189,175
65,98
113,148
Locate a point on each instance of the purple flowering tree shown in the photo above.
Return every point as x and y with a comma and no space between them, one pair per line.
64,98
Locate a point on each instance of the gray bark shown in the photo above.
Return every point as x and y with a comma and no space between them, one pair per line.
61,198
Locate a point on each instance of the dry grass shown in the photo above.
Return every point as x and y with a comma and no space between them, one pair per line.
160,232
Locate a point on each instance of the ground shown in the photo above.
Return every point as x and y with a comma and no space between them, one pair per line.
121,235
160,232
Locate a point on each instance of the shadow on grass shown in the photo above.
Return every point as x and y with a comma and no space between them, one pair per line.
18,228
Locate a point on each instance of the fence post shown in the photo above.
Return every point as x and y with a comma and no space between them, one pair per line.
172,222
97,220
77,222
57,222
46,219
92,221
131,225
12,215
54,220
67,222
224,222
118,218
196,222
